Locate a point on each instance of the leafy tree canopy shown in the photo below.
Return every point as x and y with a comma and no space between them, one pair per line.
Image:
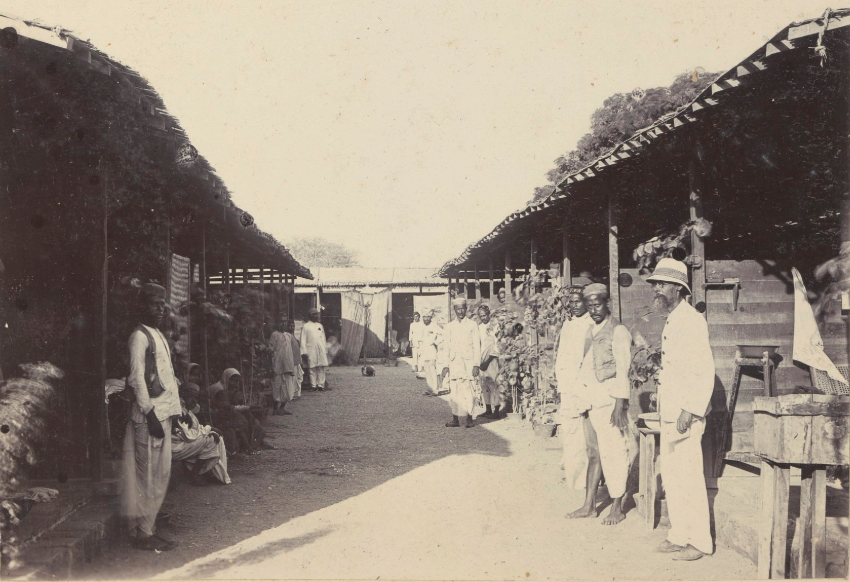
620,116
315,251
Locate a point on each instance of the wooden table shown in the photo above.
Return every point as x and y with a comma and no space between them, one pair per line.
809,431
648,485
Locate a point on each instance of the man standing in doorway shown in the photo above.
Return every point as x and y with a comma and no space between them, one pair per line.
147,441
685,385
461,357
570,352
489,365
432,337
314,350
415,337
603,384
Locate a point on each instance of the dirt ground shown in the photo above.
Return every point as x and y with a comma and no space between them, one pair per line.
368,483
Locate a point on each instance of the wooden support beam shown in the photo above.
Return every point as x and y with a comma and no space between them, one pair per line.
508,288
613,256
477,285
566,264
697,185
492,278
533,263
465,285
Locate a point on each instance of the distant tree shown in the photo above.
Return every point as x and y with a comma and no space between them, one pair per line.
315,251
620,116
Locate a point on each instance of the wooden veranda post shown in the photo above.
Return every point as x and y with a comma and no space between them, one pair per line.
477,285
696,184
203,273
508,289
566,266
533,264
613,257
492,278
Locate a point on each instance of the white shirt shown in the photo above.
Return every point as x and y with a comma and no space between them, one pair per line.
166,404
415,333
598,394
461,341
571,350
430,339
313,344
686,378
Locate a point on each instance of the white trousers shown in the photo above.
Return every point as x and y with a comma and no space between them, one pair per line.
683,478
613,449
489,388
574,457
430,367
462,398
416,363
144,476
317,377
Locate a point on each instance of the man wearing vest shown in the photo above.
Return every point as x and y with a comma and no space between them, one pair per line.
603,387
147,441
685,385
461,358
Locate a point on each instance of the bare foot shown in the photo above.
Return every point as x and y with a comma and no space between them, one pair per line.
614,516
583,511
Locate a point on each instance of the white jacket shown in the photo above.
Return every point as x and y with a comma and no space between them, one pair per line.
686,379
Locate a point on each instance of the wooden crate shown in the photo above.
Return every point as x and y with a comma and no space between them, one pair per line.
807,429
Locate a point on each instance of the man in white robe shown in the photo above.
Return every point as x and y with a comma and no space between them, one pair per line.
314,350
461,358
569,353
415,337
147,441
432,339
603,387
685,385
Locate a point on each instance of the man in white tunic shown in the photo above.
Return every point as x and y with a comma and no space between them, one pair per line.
432,338
314,350
147,441
570,351
685,385
603,386
461,357
489,365
415,337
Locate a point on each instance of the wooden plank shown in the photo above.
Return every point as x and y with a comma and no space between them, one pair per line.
696,186
492,278
782,486
766,518
802,405
819,523
508,286
804,526
566,263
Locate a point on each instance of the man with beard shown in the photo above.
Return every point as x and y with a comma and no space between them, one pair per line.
461,360
569,352
147,441
603,384
489,365
685,385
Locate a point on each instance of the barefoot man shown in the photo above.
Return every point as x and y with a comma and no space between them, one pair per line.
461,358
603,382
685,384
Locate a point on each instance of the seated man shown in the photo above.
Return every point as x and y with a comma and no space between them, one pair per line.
234,427
201,447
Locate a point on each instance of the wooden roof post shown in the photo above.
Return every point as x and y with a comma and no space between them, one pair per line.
533,263
566,266
466,285
227,267
477,285
613,256
508,289
492,277
204,280
696,184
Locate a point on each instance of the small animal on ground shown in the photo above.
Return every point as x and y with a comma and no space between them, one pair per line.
367,371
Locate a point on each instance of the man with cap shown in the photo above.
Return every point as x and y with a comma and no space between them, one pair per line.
461,358
147,441
569,350
415,337
489,365
429,347
314,350
685,385
602,386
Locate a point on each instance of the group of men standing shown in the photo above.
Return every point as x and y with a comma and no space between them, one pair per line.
592,372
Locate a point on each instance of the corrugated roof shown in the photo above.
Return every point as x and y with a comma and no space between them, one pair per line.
360,276
788,39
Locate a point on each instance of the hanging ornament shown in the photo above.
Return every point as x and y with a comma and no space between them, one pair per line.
186,155
246,219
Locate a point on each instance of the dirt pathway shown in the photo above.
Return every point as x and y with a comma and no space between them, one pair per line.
368,483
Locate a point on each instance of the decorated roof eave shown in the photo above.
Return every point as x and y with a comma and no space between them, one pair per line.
785,41
158,118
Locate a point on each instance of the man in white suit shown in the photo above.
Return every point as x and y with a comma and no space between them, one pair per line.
314,350
685,384
461,358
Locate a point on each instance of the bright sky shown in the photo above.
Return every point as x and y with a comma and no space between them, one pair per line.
404,130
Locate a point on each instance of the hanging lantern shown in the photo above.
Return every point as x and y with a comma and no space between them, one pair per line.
246,220
186,155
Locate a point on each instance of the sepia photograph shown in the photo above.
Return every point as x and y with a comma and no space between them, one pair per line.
424,290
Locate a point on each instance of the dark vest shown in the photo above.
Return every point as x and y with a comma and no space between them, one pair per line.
602,344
